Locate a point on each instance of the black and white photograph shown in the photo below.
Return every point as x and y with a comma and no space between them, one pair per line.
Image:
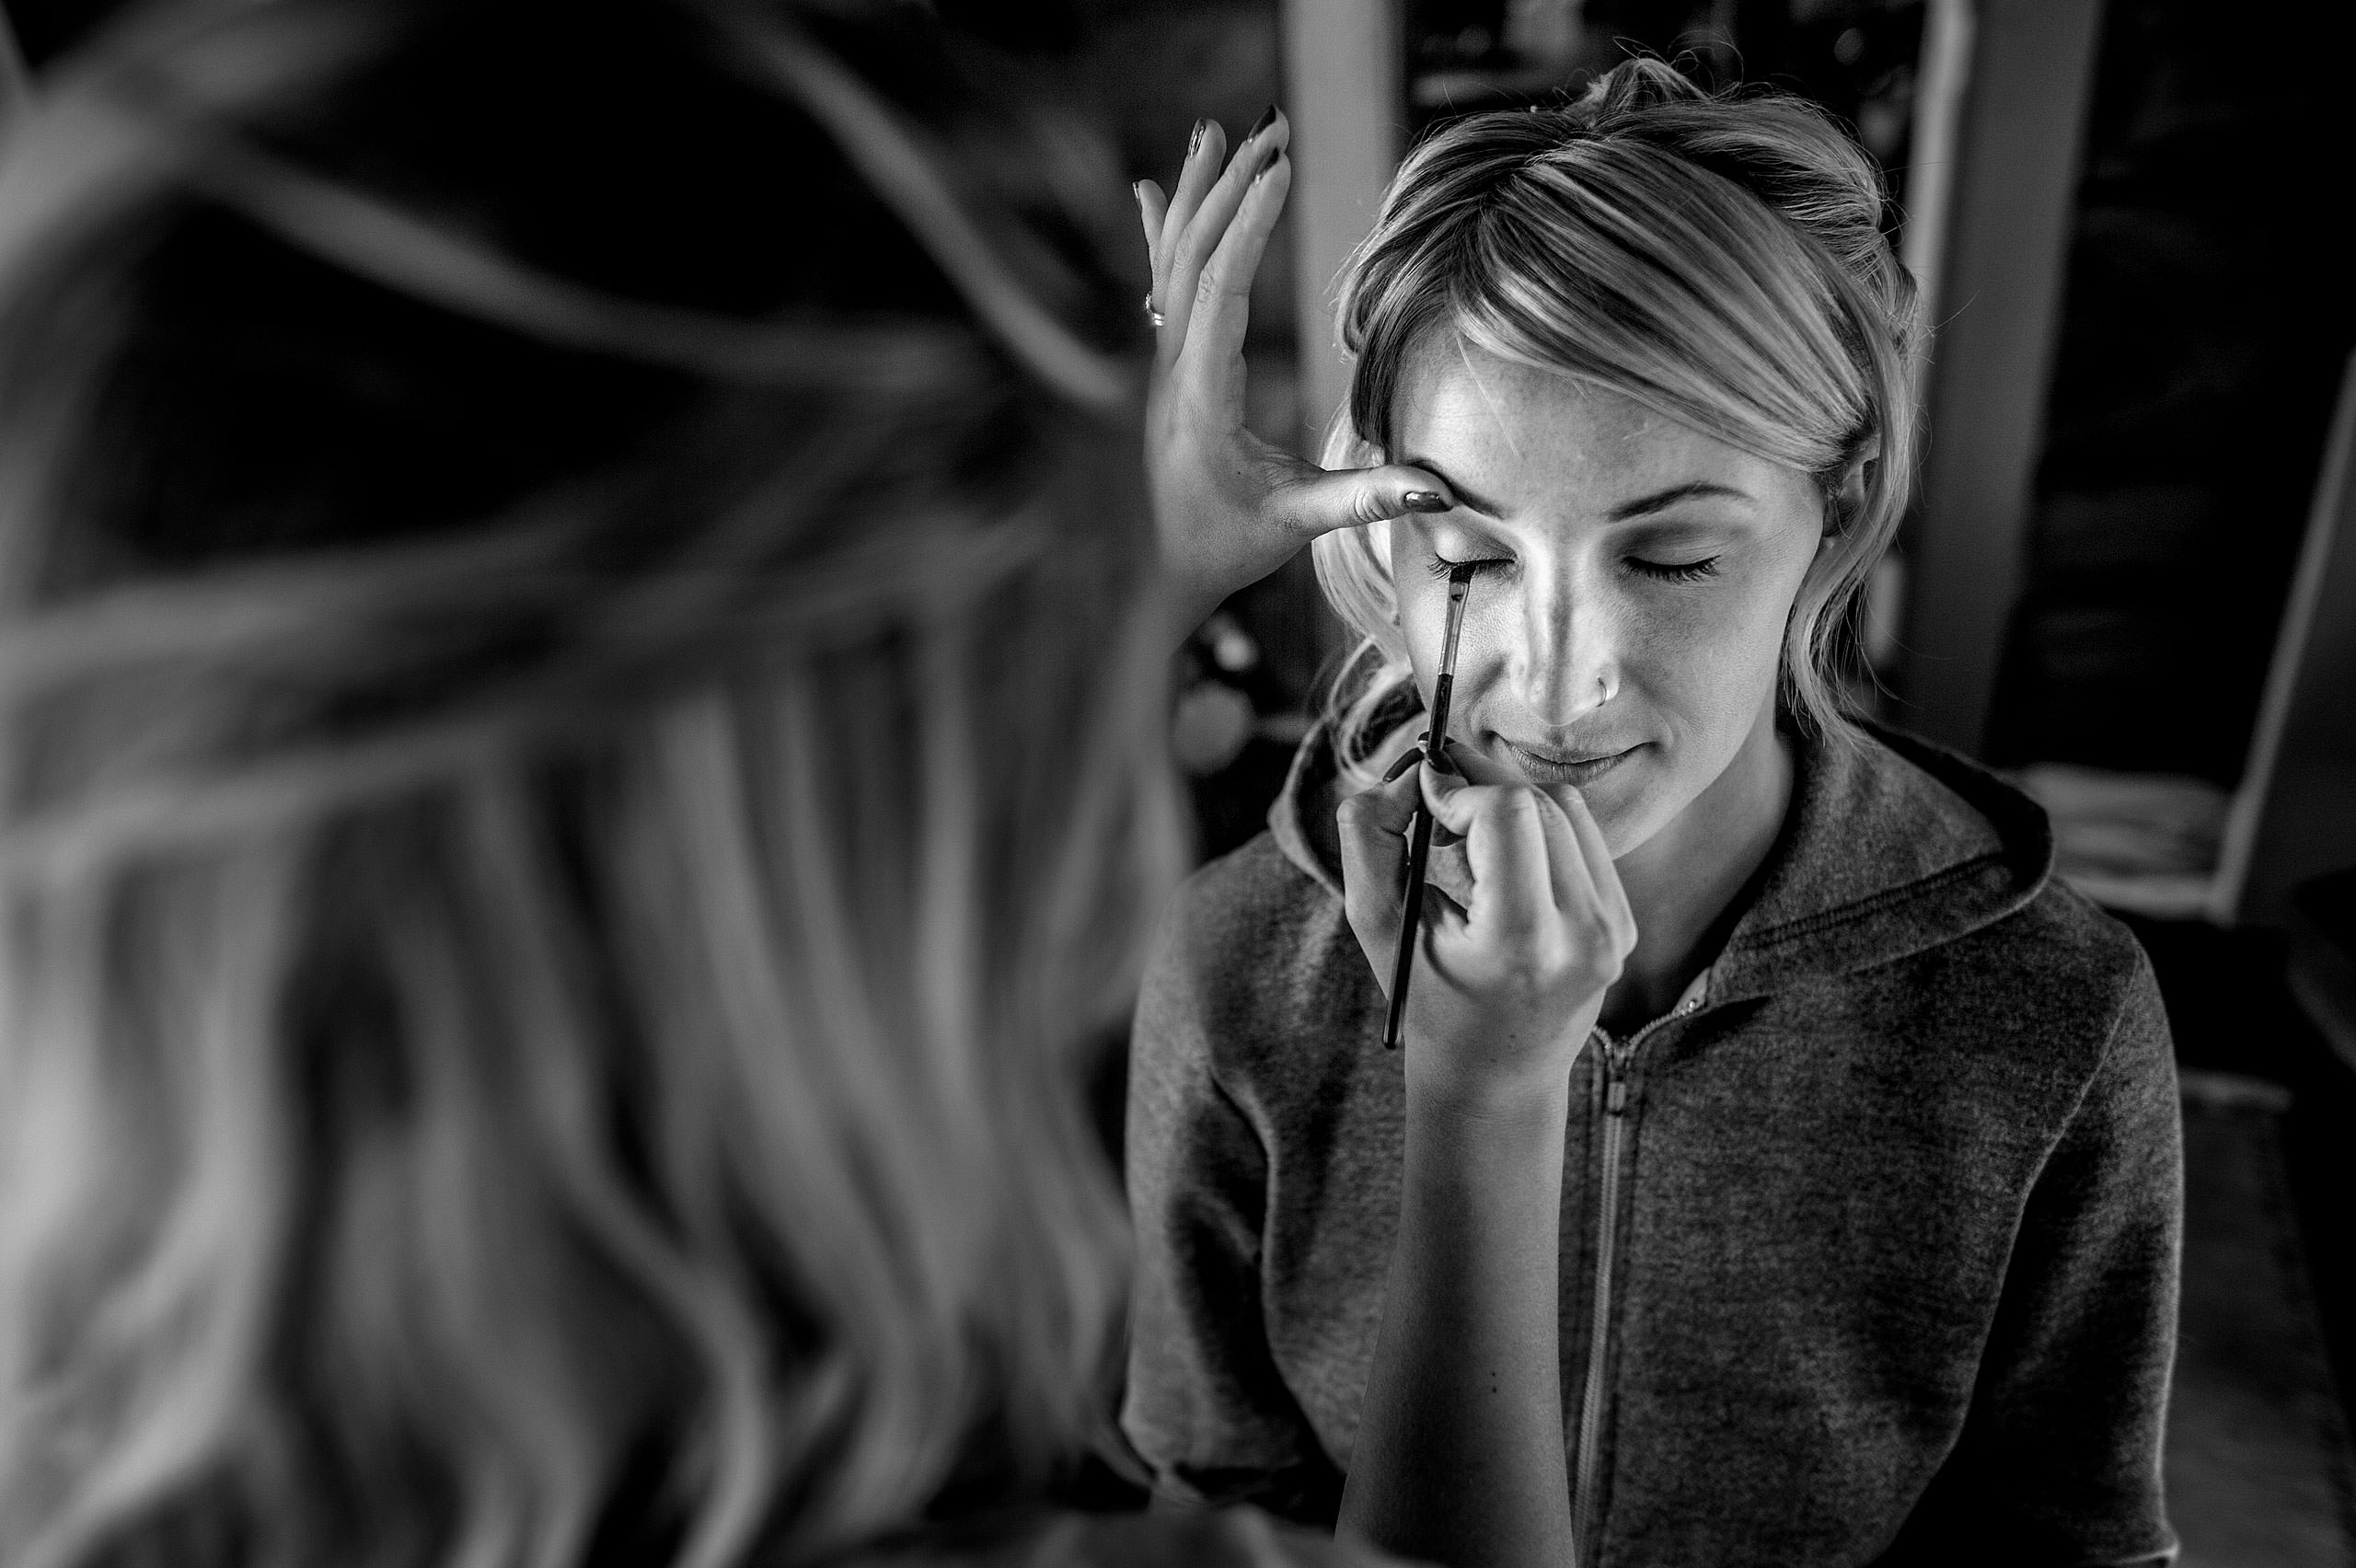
1177,784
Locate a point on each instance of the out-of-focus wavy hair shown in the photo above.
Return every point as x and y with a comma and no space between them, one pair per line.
578,771
1719,259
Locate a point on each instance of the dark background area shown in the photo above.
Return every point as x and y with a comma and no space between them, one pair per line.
2205,320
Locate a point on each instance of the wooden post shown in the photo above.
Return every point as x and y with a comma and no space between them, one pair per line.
16,82
2007,227
1341,88
1943,76
2294,815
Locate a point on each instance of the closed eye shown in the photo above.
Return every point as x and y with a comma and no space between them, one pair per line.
1675,571
1440,565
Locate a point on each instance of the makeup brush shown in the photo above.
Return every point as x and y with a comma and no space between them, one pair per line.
1419,830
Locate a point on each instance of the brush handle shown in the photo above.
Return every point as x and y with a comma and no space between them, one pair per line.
1419,829
1420,857
1411,924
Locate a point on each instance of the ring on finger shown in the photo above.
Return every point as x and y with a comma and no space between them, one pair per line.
1150,314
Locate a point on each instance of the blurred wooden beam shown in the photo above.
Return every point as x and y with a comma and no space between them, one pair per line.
2294,815
2007,224
1943,78
16,82
1343,75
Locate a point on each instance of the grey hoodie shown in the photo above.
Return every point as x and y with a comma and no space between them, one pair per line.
1874,1261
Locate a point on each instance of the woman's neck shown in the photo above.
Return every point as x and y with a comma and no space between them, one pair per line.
1683,881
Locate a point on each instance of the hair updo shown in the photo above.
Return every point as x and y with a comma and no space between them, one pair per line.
1719,258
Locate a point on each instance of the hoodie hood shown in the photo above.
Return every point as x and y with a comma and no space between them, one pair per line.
1892,845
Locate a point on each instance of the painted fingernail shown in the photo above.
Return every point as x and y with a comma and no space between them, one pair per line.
1137,192
1442,762
1425,500
1267,161
1268,118
1194,142
1407,759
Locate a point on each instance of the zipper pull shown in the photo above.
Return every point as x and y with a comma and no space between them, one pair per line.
1617,1103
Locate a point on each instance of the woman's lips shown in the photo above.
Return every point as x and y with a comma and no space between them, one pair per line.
1556,767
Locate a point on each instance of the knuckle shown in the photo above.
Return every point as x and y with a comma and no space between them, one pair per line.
1517,802
1192,260
1477,799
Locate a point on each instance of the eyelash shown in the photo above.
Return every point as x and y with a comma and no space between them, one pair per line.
1684,572
1440,565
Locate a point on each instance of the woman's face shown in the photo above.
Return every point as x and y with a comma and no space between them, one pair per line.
1626,617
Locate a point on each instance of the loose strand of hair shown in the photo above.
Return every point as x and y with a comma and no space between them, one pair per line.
888,153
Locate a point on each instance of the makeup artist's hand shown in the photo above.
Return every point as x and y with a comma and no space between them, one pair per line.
1508,981
1459,1456
1229,507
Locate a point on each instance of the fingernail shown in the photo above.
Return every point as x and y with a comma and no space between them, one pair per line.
1194,143
1267,161
1442,762
1425,500
1268,118
1137,192
1407,759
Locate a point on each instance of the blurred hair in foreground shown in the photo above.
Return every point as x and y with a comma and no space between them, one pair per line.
578,764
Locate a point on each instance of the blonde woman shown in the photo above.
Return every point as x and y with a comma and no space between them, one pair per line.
579,678
1781,1167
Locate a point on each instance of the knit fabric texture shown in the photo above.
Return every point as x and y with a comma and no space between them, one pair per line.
1899,1198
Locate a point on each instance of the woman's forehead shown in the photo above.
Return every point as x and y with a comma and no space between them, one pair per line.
1473,413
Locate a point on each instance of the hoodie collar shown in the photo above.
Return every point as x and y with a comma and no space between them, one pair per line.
1892,845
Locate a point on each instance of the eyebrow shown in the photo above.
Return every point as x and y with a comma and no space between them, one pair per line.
1642,506
1464,497
1661,501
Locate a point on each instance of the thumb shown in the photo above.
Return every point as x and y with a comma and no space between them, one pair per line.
1321,501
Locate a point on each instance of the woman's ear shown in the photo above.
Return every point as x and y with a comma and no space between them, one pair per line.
1846,497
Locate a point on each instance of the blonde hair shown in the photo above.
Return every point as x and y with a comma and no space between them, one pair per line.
578,774
1717,258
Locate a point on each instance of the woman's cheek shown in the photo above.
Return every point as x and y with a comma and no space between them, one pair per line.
1683,630
1707,657
1422,621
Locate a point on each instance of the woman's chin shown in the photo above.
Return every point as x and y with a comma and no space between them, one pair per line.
1619,799
1621,818
1630,793
1634,803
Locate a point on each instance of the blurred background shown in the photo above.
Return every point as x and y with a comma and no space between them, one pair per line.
2129,580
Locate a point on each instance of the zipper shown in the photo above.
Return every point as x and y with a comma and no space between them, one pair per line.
1614,1061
